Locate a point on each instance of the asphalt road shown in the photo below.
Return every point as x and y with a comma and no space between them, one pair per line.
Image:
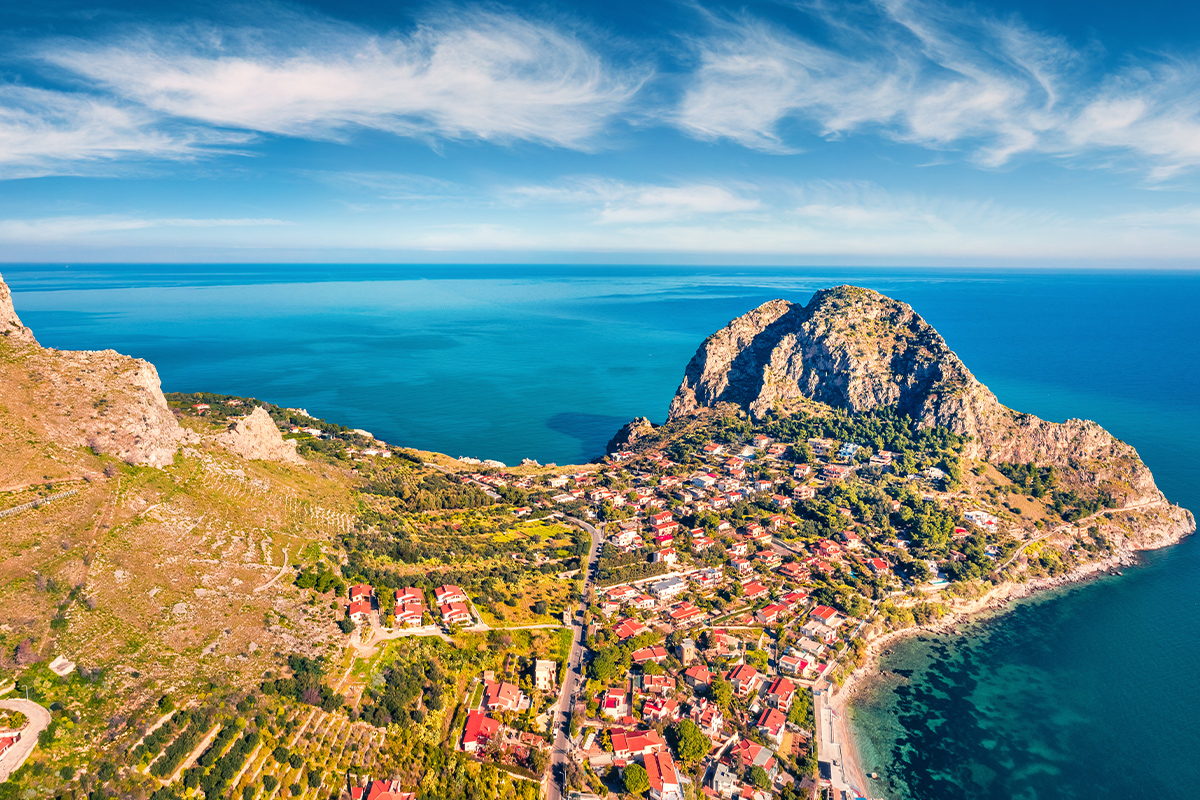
562,716
39,719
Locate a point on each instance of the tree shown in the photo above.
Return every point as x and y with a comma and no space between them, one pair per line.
636,779
721,692
538,760
759,777
692,745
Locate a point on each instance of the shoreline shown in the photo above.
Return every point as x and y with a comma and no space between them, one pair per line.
995,599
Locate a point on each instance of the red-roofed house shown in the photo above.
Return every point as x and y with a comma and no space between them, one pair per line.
709,717
825,614
454,614
698,677
636,745
794,571
770,614
381,790
628,628
771,723
449,594
360,591
658,684
479,728
754,590
752,754
614,704
878,565
780,694
685,613
655,653
744,680
410,607
501,696
664,778
664,709
359,610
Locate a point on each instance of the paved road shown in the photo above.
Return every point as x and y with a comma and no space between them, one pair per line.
39,719
562,715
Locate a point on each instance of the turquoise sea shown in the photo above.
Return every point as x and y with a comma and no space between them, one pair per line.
1090,692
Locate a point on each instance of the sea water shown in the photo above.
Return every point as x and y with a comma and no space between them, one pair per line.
1089,692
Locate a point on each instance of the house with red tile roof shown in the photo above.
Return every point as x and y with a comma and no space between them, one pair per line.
359,610
658,684
771,724
656,653
708,716
698,677
501,696
361,591
685,613
665,783
664,709
747,754
771,613
877,565
826,615
614,704
636,745
449,594
455,614
479,728
754,590
410,607
780,694
744,680
628,628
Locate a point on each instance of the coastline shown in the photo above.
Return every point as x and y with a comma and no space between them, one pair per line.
995,599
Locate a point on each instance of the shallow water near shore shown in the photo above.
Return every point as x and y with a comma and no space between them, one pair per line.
1083,692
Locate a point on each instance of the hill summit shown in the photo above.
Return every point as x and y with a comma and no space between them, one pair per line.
857,350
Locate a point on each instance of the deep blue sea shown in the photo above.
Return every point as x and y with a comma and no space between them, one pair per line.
1088,693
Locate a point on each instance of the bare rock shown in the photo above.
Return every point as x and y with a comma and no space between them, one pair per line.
255,436
99,399
629,434
858,350
10,323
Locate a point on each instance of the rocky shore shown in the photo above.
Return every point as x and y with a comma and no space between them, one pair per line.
993,602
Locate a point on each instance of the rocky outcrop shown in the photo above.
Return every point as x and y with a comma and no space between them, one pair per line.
856,349
10,323
629,434
103,400
255,436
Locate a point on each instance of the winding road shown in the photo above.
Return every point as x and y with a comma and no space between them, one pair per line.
566,697
39,720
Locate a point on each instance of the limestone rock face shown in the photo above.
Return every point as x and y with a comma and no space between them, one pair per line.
10,323
255,436
99,399
629,434
856,349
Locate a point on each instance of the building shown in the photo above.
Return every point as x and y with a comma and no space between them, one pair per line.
628,628
501,696
658,684
698,677
656,653
687,651
669,588
359,610
780,694
744,680
666,555
664,710
479,728
455,614
614,704
449,594
770,614
708,717
665,783
771,725
410,607
544,674
361,591
636,745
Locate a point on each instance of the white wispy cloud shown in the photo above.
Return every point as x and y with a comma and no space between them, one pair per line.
484,75
48,229
940,77
612,201
44,131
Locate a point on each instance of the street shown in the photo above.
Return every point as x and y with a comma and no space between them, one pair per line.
562,715
39,719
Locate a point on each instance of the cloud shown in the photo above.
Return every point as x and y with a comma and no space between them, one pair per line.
469,75
51,229
52,132
943,78
614,201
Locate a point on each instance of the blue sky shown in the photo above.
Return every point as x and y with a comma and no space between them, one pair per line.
894,131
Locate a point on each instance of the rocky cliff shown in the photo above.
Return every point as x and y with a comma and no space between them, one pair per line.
255,436
856,349
10,323
103,400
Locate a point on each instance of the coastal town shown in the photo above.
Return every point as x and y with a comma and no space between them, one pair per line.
725,601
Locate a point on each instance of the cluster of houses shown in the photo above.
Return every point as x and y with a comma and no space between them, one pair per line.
486,729
451,602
